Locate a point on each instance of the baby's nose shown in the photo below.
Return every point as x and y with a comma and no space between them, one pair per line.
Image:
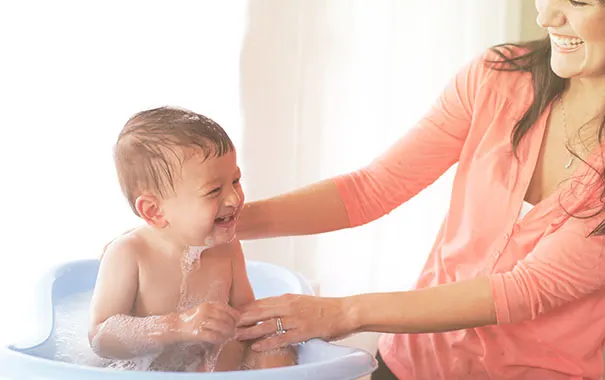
232,199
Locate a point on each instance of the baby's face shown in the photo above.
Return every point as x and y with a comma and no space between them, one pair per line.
207,202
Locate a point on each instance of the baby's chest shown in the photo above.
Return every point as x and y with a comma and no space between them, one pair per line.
166,290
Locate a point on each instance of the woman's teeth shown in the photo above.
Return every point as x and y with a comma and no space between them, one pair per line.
568,43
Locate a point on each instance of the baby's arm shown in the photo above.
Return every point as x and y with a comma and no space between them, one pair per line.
242,294
114,333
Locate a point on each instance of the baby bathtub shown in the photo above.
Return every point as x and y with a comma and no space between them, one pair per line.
34,357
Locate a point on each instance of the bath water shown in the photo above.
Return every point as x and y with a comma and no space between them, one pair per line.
71,323
72,319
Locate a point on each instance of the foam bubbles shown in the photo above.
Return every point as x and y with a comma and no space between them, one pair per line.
72,317
209,354
71,322
189,260
190,256
130,334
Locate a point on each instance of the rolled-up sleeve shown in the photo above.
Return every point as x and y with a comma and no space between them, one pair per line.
421,156
564,266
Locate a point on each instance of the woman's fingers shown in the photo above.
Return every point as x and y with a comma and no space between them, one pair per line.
253,332
263,328
264,309
278,341
303,317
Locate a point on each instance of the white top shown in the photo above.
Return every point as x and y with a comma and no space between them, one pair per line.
525,209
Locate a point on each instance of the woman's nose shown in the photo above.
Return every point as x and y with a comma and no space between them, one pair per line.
549,14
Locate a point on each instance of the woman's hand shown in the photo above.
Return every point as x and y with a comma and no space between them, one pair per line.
302,318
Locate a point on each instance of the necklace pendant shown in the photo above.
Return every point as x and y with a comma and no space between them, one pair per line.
569,162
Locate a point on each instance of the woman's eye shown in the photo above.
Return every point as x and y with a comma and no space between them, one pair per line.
577,3
236,181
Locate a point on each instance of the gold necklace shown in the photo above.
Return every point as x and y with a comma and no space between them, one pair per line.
572,156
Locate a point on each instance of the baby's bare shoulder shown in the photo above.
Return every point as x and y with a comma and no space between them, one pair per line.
231,250
128,247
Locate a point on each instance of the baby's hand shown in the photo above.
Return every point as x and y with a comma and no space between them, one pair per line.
210,322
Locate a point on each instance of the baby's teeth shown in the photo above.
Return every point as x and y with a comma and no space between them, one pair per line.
223,219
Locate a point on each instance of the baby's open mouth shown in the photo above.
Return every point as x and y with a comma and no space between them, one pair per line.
225,219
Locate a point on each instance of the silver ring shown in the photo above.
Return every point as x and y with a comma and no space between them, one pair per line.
280,327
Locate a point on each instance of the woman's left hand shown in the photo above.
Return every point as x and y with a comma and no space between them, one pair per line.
302,318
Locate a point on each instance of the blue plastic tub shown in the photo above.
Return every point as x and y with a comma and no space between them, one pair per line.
35,357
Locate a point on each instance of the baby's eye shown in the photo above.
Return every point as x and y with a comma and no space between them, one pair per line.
214,191
236,181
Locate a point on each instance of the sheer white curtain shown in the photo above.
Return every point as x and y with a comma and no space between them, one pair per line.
326,87
400,55
71,74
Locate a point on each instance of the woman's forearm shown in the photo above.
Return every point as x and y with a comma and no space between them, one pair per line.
455,306
311,210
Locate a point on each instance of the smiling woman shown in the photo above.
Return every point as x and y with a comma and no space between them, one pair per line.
575,27
514,284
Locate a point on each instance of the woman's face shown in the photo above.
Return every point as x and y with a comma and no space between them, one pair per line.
577,35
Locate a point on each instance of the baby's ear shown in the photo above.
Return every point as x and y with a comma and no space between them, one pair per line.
149,208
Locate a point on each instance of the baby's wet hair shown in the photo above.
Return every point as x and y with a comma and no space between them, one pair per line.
154,143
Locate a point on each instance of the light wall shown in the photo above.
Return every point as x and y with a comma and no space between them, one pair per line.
529,29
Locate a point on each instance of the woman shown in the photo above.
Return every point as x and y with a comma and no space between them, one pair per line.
513,287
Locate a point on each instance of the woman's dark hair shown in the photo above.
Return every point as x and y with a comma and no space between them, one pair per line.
547,86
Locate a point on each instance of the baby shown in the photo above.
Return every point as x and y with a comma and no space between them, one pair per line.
167,292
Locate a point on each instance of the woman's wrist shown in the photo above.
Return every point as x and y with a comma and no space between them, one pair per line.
352,310
314,209
252,224
465,304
